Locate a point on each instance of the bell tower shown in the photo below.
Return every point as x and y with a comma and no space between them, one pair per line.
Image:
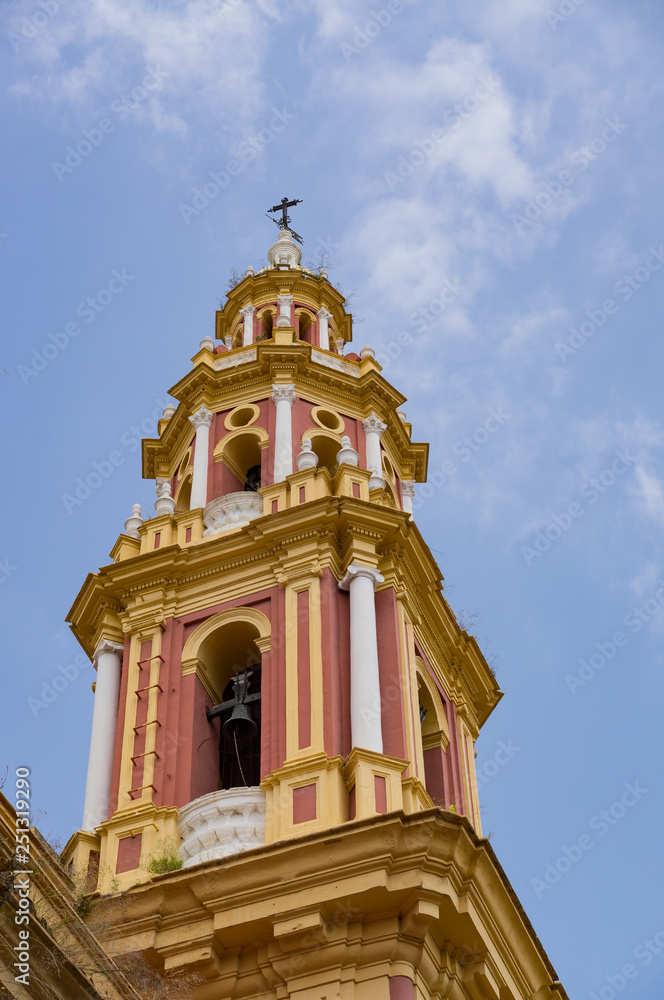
283,690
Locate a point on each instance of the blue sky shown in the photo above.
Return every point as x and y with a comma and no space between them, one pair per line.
487,176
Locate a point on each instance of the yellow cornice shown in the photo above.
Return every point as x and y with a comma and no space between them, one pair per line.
429,871
252,381
328,532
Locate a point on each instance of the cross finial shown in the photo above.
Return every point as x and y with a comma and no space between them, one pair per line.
284,221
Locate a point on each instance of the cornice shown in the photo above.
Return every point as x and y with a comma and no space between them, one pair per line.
324,533
219,389
412,862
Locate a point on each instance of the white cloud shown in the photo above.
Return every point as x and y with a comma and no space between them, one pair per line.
207,51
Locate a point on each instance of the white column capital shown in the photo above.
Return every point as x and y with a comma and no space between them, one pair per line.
248,310
407,495
355,571
163,488
106,646
324,314
201,418
283,393
373,424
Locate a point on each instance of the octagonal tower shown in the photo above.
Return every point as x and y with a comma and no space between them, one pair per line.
283,690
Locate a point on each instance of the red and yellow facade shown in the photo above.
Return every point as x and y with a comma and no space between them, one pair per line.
352,864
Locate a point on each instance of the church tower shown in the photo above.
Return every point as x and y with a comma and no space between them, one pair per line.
283,691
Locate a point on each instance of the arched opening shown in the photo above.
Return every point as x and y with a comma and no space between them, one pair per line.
326,445
183,494
265,322
225,654
389,477
238,459
306,325
434,735
237,336
332,335
231,661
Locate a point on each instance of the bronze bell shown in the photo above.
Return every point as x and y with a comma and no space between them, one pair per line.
241,724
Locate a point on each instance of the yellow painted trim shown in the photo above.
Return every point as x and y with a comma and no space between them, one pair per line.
293,751
427,681
469,776
131,705
184,464
153,713
321,432
315,416
243,406
190,661
316,665
182,481
409,683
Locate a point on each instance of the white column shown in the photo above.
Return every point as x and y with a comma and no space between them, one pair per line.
323,329
201,421
365,707
407,495
285,303
283,397
373,428
248,330
108,660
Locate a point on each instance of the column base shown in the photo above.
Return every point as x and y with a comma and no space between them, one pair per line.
374,783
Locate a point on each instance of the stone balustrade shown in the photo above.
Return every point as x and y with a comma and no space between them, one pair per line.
222,823
232,511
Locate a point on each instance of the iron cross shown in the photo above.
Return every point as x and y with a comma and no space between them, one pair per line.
284,221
